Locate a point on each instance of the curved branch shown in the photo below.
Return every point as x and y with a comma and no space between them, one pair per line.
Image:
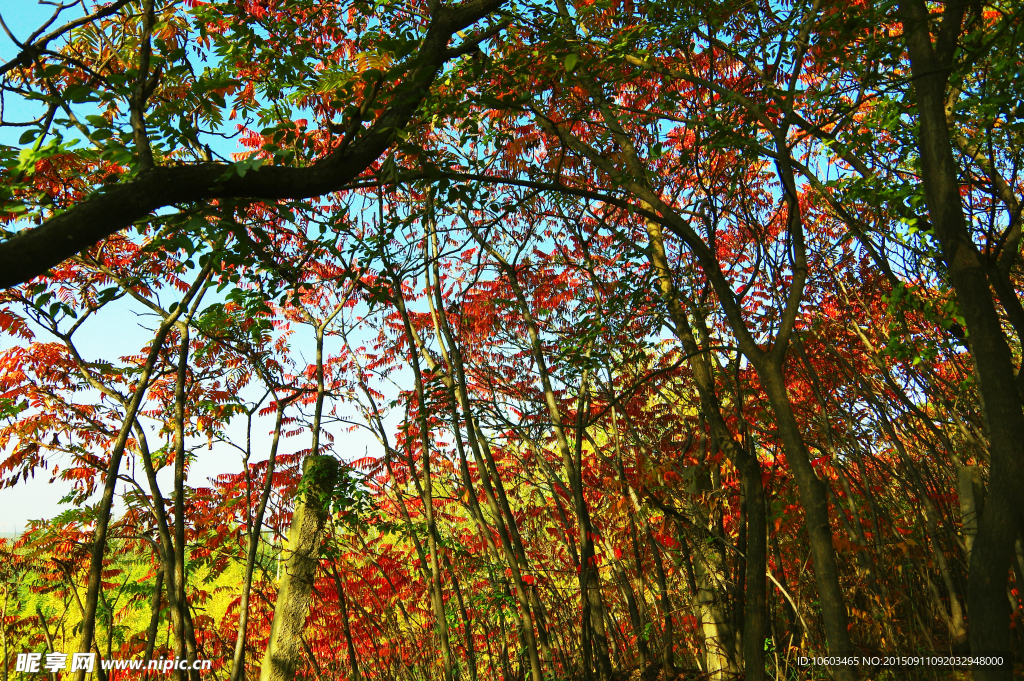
32,252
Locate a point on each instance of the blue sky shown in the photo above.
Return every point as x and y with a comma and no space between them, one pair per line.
121,329
22,18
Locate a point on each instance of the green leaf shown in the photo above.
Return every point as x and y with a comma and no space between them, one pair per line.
9,408
570,61
78,93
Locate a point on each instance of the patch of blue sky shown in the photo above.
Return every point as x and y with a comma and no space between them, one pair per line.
121,329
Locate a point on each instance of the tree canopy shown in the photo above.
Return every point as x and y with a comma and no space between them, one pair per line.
688,336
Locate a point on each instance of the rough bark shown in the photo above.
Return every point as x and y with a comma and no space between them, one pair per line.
312,508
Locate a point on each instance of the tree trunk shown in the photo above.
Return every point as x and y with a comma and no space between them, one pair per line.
668,663
255,532
346,626
970,490
154,616
99,541
467,622
814,501
754,614
1000,521
312,509
750,472
180,546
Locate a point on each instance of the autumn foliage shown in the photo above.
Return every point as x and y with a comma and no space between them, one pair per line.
655,340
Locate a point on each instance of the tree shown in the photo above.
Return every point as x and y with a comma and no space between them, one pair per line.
688,336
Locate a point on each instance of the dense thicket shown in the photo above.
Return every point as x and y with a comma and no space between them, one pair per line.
689,334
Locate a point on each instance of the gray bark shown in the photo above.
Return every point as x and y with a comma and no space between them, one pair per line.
312,508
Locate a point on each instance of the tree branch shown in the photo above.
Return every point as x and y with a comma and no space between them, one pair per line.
32,252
